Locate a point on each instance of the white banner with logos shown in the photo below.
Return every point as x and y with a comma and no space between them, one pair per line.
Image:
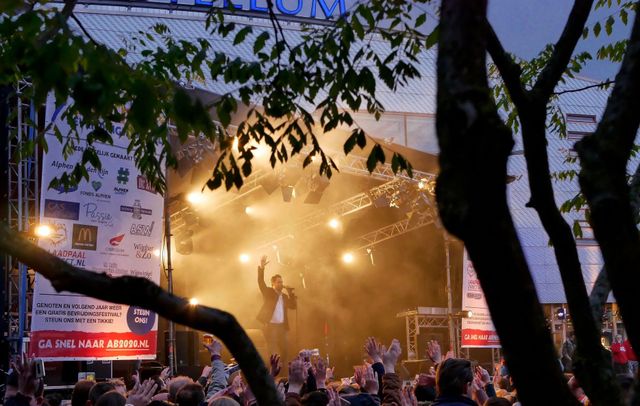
478,330
111,224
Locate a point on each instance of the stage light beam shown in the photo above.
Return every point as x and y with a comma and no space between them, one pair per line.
195,198
334,223
156,253
42,230
348,258
193,301
244,258
249,210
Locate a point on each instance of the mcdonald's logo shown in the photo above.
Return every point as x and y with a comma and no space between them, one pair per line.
84,237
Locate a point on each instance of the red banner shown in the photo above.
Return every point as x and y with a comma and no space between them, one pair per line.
80,344
479,338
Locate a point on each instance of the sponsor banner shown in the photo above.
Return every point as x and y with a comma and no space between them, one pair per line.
106,224
478,330
54,345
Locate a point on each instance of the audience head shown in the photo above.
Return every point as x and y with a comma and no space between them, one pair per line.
98,390
176,384
496,401
454,377
111,398
190,394
80,393
224,401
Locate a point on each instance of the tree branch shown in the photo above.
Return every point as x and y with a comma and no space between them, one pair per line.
509,69
62,17
563,50
604,157
65,277
581,89
602,287
473,141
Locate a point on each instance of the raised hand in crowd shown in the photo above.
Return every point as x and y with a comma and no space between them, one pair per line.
390,356
434,352
142,393
297,375
206,371
26,370
373,349
276,366
408,397
358,375
371,384
477,387
334,398
215,348
482,375
320,373
247,395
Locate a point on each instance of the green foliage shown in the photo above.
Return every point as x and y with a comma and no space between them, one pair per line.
303,88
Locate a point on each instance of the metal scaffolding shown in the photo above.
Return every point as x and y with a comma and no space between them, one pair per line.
393,230
23,210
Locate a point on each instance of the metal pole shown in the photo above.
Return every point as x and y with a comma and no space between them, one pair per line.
452,338
167,239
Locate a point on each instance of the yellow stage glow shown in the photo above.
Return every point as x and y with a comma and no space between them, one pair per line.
334,223
249,210
42,230
195,197
244,258
193,301
347,258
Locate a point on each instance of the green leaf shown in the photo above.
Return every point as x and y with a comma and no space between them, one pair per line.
433,37
376,155
242,34
260,42
609,25
422,18
596,29
624,16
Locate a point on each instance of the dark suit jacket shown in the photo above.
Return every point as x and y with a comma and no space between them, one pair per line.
270,297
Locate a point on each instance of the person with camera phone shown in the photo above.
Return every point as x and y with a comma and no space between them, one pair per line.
273,313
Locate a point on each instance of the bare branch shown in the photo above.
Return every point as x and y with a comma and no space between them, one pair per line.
581,89
65,277
563,50
509,69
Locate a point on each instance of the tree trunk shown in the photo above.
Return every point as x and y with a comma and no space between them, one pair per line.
471,194
604,158
65,277
591,364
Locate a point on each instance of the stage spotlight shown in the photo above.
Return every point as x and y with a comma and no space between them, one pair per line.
260,151
334,223
347,258
193,301
249,210
465,314
195,197
42,230
561,313
156,253
244,258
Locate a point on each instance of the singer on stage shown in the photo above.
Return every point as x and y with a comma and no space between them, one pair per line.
273,313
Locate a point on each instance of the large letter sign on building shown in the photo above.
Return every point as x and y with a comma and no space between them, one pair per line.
301,8
103,225
478,330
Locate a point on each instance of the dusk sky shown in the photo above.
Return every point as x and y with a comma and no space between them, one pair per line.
526,26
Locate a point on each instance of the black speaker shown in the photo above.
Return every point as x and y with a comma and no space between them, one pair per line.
187,347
